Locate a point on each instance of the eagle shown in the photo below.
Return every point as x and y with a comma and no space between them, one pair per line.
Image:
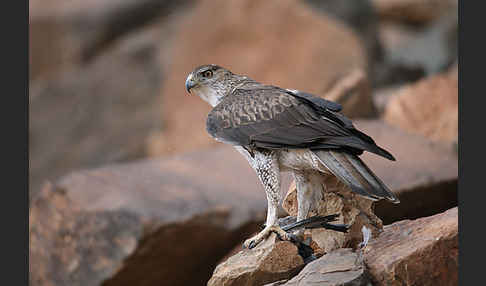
284,130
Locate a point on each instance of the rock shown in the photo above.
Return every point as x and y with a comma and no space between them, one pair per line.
353,93
235,40
411,54
63,34
413,11
354,211
382,96
270,261
428,108
100,113
361,16
339,267
71,247
137,223
424,175
434,48
389,74
417,252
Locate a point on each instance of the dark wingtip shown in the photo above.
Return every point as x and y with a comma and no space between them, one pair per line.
386,154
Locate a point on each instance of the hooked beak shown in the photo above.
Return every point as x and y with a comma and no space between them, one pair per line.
190,83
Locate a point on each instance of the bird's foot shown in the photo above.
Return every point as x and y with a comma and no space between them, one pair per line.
262,235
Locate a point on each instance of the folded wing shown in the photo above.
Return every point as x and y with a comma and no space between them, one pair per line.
274,118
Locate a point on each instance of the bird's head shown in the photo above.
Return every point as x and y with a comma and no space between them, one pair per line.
211,83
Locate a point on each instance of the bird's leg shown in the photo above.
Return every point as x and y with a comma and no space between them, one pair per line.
266,167
303,198
309,192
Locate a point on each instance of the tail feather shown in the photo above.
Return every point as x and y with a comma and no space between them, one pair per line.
353,172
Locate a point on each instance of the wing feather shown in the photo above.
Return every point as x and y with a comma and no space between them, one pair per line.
270,117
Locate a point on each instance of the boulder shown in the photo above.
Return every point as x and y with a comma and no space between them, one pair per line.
424,175
236,40
270,261
353,92
63,34
361,16
138,223
339,267
416,252
408,252
428,107
100,113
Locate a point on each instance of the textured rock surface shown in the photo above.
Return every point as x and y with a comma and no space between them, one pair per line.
339,267
424,176
138,223
354,211
429,107
417,252
270,261
235,39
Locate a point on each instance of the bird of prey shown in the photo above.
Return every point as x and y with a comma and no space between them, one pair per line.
286,130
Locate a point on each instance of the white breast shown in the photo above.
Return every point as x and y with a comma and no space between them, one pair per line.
208,94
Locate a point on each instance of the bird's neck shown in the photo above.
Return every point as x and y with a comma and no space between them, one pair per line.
215,94
242,82
210,95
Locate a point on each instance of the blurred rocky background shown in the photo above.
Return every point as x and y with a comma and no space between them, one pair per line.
127,188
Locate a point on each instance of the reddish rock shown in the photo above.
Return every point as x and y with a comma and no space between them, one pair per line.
270,261
72,247
138,223
63,34
416,252
429,107
360,15
101,113
235,39
424,175
353,92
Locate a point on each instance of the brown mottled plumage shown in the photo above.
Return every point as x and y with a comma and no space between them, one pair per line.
279,129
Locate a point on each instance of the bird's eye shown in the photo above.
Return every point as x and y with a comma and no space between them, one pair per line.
207,74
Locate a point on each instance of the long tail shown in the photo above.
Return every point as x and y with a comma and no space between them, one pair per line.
353,172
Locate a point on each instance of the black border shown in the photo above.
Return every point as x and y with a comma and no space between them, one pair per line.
471,49
14,214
